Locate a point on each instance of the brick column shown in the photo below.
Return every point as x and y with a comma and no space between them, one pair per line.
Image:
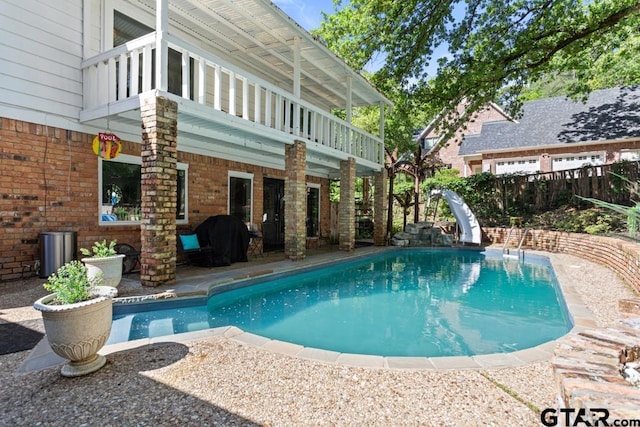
380,182
347,208
295,201
159,189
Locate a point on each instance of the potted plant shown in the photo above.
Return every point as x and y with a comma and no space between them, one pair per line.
121,212
103,261
77,318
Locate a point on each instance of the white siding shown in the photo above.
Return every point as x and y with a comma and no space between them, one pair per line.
40,55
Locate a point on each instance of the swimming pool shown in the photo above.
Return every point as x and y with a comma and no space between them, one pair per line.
403,302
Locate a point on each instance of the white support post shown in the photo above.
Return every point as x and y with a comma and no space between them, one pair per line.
217,88
245,98
287,116
257,103
296,87
146,68
278,107
186,83
202,81
232,93
122,76
111,84
135,73
349,114
162,48
381,155
268,120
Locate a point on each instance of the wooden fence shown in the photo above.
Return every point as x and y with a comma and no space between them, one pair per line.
541,191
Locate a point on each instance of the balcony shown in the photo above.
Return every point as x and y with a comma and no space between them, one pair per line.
223,110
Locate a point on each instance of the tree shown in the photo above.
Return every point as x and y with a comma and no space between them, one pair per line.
496,47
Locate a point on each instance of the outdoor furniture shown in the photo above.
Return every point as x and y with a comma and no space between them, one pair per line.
131,257
190,245
255,242
228,238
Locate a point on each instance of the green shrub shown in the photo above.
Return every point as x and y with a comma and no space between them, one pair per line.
70,284
100,249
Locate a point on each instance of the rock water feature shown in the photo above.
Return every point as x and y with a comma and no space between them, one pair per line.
422,234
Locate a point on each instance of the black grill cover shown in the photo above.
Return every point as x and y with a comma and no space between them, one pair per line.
228,237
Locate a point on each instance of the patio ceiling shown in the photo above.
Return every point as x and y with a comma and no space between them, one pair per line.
259,37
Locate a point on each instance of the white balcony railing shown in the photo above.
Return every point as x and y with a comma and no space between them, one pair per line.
201,77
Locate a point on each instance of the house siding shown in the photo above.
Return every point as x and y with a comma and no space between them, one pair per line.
49,182
41,51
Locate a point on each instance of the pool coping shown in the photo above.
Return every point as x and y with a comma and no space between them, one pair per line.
42,357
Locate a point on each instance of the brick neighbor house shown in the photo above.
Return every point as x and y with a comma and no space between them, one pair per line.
552,134
220,108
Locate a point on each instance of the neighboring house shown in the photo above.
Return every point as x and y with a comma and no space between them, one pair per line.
221,108
555,134
448,152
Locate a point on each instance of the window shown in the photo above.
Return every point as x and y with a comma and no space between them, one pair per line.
240,192
313,210
121,190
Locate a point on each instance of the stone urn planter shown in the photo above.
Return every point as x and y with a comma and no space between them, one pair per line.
77,318
104,263
108,268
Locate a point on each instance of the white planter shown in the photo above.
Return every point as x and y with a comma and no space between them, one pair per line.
78,331
110,267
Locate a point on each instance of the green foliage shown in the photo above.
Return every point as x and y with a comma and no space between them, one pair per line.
496,48
100,249
572,219
70,284
630,213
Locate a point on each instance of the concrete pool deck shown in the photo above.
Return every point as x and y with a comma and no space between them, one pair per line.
199,282
216,380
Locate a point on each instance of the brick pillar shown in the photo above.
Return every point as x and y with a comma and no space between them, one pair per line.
295,201
380,206
347,208
159,189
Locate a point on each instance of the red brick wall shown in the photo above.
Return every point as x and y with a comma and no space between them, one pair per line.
619,255
449,152
49,182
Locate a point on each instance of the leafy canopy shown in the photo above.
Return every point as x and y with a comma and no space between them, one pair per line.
496,47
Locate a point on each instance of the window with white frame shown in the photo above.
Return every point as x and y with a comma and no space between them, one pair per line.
313,210
120,190
241,196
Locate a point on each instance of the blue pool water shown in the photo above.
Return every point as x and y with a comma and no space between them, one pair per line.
399,303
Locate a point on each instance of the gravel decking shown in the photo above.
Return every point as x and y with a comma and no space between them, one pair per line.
218,381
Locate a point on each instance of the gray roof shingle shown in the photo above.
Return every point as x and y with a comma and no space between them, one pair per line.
608,114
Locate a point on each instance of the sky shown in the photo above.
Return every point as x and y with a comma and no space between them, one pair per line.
307,13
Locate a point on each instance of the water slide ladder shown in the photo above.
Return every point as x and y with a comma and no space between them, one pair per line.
506,251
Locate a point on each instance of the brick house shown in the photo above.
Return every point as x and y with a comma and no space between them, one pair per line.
552,134
220,108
